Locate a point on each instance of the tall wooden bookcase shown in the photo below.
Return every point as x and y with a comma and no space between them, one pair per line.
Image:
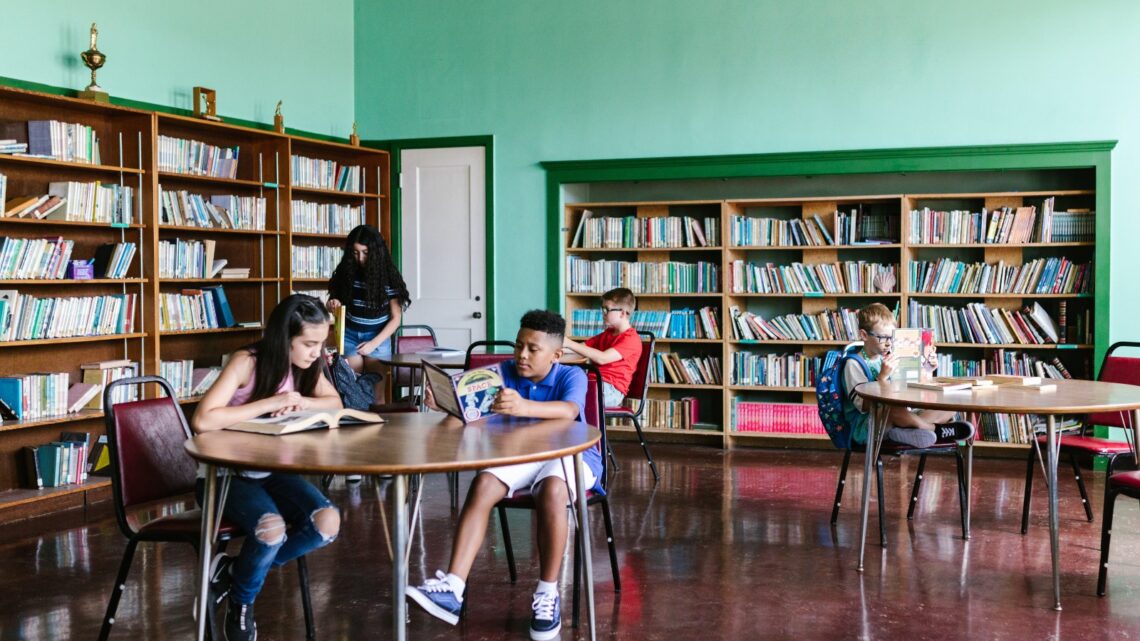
129,140
716,402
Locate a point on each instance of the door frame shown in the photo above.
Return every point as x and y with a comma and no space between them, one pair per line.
487,142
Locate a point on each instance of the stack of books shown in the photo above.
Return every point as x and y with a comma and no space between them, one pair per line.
775,370
196,158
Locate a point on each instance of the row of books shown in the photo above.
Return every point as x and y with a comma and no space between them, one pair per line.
327,174
827,325
24,317
776,418
1005,428
1054,275
66,141
194,157
668,367
749,231
1073,226
34,258
857,227
677,323
188,259
677,414
775,370
325,218
800,278
103,373
599,276
977,323
1001,361
59,463
613,232
113,260
30,397
189,309
186,379
76,202
315,262
186,209
319,294
1007,225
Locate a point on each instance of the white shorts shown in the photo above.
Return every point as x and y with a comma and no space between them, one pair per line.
527,476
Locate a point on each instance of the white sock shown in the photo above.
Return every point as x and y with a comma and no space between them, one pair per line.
546,586
457,584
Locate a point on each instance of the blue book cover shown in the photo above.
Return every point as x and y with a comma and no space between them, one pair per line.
12,395
222,306
39,137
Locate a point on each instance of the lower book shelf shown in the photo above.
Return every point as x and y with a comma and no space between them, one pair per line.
19,504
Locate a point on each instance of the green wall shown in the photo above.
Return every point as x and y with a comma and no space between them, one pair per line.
253,52
637,78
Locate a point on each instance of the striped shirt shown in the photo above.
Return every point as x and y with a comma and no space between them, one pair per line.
360,316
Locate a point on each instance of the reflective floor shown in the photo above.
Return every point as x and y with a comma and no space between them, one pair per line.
726,546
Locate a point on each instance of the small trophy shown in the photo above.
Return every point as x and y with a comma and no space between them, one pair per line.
94,59
208,110
278,119
354,139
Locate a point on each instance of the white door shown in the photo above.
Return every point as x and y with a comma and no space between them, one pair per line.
443,224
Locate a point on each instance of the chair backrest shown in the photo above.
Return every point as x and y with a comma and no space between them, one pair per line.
594,414
409,343
482,353
146,442
1117,369
639,384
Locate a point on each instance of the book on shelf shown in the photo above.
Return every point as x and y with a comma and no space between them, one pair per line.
315,262
683,323
318,173
977,323
670,277
304,420
35,258
792,370
80,395
826,325
1053,275
776,418
80,441
325,218
196,158
658,232
675,369
799,278
99,459
675,414
64,141
203,378
103,373
91,202
113,260
234,272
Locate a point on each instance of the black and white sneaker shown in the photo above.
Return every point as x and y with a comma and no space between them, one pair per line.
438,598
240,625
545,616
220,578
953,432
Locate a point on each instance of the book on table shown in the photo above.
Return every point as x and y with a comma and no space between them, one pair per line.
441,352
954,386
306,420
1030,383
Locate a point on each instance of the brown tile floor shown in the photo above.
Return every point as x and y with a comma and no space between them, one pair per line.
726,546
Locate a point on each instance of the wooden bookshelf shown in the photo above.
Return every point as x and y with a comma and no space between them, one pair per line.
893,211
129,146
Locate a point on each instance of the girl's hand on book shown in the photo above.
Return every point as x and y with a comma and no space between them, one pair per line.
509,402
289,402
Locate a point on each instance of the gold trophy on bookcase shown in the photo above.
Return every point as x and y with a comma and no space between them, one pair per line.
94,60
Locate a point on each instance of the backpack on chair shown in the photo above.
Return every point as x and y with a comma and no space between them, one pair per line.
357,392
830,394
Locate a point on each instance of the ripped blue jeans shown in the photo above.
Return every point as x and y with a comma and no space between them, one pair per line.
249,500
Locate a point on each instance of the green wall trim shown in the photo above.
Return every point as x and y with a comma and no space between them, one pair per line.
487,142
1068,155
150,106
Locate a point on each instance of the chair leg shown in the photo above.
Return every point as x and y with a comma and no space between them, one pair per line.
579,559
641,437
839,487
326,482
1105,539
507,543
306,598
611,543
917,485
962,498
882,518
117,590
1028,488
453,489
613,459
1081,486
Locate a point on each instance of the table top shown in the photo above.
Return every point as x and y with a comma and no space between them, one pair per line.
1070,397
411,443
415,359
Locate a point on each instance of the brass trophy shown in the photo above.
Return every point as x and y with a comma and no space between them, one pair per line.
278,119
354,139
94,59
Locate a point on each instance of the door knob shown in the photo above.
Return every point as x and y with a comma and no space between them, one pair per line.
477,315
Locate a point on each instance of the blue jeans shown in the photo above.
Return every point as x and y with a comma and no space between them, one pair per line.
353,338
287,495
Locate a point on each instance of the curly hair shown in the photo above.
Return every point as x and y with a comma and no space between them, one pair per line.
378,274
541,320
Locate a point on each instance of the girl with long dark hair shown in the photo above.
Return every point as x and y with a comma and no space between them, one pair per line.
368,285
282,515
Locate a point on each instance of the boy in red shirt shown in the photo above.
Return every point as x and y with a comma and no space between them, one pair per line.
616,350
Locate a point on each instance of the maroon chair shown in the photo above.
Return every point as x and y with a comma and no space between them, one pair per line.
1128,484
403,343
1113,369
593,414
150,468
638,390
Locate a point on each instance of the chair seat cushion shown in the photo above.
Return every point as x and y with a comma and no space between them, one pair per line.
891,448
1127,481
186,524
524,500
1090,444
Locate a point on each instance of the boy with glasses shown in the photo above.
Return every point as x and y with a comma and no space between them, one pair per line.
916,428
617,349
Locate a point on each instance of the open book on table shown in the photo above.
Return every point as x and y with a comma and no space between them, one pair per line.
306,420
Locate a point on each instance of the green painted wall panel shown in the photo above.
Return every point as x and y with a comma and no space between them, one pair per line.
253,52
642,78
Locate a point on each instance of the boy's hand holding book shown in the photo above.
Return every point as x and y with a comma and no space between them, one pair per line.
890,363
509,403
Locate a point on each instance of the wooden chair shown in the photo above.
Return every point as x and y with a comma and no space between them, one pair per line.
1081,445
594,415
638,391
149,469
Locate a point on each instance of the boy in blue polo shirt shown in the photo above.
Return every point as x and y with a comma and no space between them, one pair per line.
535,385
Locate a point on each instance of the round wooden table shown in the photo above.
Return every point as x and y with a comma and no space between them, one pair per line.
1070,397
415,443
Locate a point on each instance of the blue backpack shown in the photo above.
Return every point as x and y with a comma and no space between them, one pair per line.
830,395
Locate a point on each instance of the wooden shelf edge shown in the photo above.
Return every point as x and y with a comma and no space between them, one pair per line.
22,496
77,339
209,330
63,164
82,415
318,191
71,281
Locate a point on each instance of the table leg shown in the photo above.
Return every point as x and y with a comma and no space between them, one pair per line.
584,537
205,546
876,428
399,568
1054,519
1136,435
969,483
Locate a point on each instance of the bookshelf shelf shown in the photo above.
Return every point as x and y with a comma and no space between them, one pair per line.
769,388
220,281
621,429
995,295
70,282
641,296
62,165
310,279
77,339
352,195
621,250
1015,346
21,498
994,245
212,330
82,415
814,295
812,247
682,386
172,176
749,343
337,237
218,230
67,223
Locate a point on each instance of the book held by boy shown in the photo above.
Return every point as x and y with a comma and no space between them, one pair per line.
468,395
914,348
306,420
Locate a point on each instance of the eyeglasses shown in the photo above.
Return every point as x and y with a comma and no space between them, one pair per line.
606,310
882,338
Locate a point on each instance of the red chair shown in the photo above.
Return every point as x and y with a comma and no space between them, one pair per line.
1113,369
594,411
149,469
404,343
1128,484
484,353
638,390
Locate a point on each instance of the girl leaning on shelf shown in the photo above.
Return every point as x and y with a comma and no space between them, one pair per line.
283,515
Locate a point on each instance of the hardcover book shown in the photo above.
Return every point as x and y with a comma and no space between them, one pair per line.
468,395
306,420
